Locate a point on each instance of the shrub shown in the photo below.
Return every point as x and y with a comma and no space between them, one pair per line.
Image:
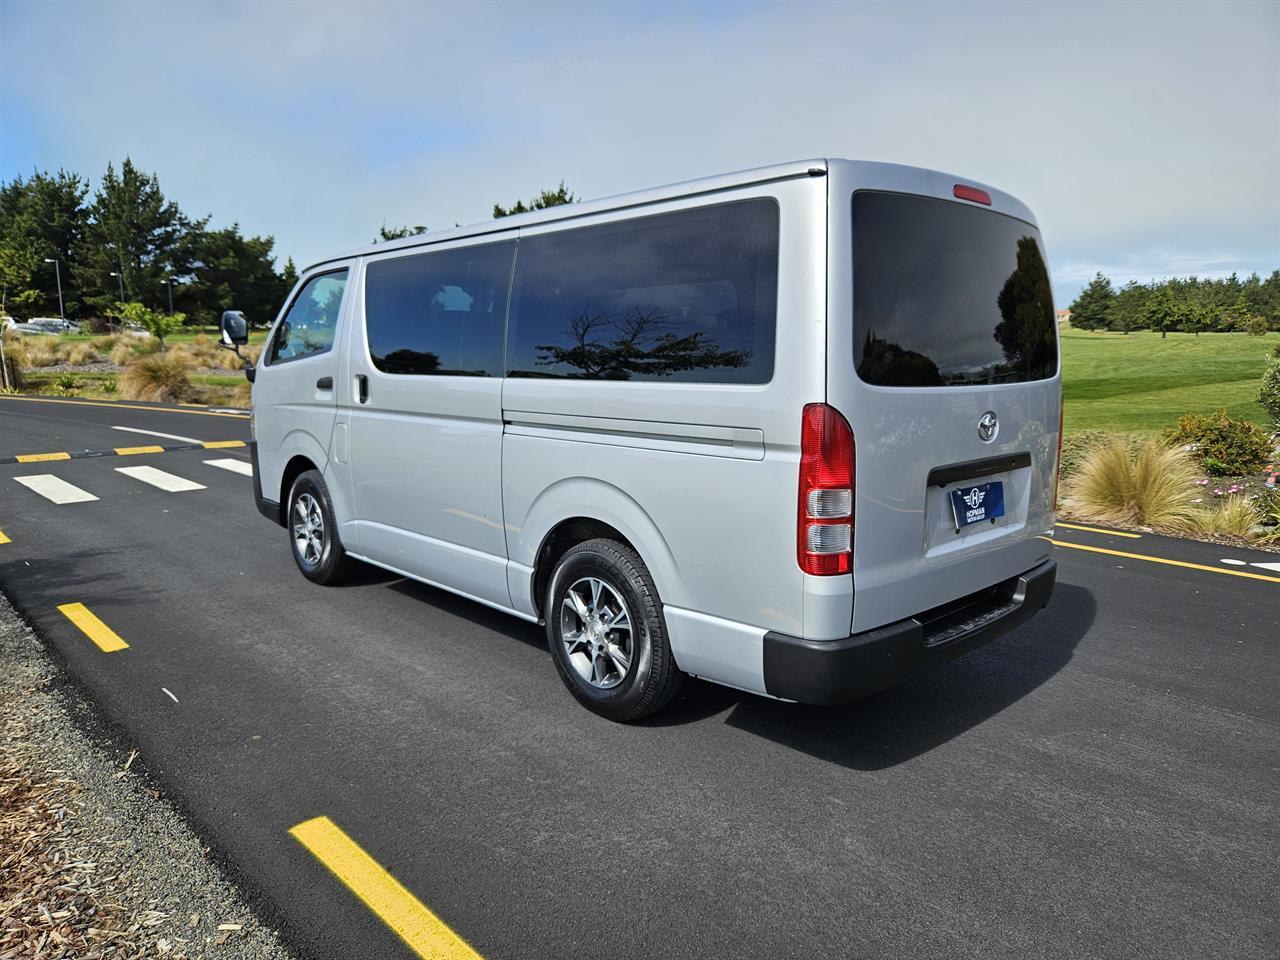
1234,515
1153,486
243,397
158,324
110,384
1269,394
105,344
158,376
1224,446
1256,326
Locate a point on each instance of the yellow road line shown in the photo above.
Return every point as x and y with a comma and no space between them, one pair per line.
425,933
1109,533
3,538
222,444
41,457
92,627
1172,563
114,404
130,451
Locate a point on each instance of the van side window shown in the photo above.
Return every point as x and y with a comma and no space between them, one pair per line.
439,313
687,296
312,320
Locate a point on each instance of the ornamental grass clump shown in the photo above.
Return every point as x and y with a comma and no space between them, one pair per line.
42,351
79,354
164,377
228,359
1153,486
1234,516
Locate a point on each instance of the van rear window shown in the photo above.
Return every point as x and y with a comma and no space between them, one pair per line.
946,294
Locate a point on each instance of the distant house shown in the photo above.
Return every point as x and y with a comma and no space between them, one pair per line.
1064,317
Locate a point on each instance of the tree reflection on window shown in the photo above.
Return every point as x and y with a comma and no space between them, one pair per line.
608,347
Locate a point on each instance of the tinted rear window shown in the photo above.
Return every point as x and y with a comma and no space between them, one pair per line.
439,313
685,296
947,294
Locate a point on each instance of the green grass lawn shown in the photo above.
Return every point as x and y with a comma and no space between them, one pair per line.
1140,383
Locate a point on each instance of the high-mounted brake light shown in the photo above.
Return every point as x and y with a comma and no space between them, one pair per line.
824,526
963,192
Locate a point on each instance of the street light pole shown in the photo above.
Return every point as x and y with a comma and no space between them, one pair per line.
57,272
119,277
169,281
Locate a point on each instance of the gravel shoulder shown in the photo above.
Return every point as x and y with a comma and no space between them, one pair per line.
93,861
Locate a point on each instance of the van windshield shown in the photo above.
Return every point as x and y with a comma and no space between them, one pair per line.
946,294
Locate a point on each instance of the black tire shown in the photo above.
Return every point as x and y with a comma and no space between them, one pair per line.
329,564
652,677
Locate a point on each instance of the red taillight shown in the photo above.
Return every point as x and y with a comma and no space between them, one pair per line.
824,529
963,192
1058,472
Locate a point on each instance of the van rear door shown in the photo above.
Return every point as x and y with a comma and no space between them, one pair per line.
946,367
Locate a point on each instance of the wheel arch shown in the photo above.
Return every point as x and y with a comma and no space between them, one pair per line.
560,517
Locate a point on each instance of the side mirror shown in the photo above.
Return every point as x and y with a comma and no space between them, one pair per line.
235,334
235,329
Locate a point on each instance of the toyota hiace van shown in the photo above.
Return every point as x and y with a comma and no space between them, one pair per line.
794,430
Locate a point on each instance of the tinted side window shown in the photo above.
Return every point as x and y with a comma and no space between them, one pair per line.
310,324
439,313
685,296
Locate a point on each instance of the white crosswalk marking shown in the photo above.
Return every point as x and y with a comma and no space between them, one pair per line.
55,489
158,478
235,466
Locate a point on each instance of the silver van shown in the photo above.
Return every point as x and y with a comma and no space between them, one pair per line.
794,430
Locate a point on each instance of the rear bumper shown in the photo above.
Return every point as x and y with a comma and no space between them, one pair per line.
268,508
835,671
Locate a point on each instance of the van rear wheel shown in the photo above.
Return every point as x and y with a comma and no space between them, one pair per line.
313,531
606,632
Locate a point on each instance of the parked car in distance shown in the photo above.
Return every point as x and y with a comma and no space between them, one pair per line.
52,325
794,430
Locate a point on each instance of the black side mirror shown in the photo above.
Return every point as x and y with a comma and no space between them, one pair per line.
235,329
235,334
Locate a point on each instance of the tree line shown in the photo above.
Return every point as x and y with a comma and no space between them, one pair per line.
126,243
1188,304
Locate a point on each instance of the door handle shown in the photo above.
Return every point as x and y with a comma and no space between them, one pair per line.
324,383
362,388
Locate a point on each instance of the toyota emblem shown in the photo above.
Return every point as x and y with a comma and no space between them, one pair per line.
988,426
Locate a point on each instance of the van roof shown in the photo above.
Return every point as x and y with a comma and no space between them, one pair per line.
818,166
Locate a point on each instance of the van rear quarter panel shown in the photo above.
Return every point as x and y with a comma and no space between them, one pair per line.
700,477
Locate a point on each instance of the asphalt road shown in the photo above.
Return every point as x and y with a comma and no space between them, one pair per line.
1101,783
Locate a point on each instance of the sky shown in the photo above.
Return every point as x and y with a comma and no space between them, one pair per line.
1144,136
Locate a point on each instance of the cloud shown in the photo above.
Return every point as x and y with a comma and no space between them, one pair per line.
1138,133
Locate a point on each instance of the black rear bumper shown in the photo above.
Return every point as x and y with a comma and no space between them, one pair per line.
835,671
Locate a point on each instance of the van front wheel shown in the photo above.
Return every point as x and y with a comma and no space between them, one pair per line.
606,632
313,531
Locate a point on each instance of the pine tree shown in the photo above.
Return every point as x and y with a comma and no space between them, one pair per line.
1089,311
